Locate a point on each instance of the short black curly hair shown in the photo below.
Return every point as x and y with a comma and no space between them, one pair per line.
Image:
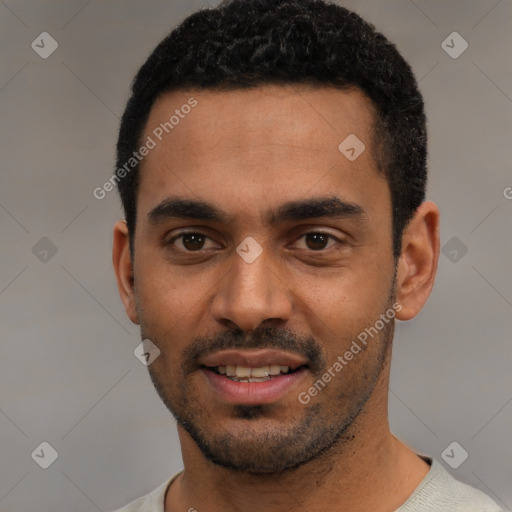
249,43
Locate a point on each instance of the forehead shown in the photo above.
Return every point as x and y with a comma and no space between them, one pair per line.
275,113
209,143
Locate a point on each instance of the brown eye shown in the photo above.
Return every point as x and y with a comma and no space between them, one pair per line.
317,241
193,241
190,242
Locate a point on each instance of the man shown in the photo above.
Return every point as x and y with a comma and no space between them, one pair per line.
272,168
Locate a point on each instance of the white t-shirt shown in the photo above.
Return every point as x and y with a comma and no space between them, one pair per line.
437,492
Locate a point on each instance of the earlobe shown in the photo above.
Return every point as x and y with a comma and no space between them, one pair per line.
417,265
123,267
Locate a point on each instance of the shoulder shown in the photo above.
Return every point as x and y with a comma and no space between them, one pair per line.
152,502
440,491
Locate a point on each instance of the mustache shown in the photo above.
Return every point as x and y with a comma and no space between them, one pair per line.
264,337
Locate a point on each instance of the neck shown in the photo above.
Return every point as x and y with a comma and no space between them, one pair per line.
369,469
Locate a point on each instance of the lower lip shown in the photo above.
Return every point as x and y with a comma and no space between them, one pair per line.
253,393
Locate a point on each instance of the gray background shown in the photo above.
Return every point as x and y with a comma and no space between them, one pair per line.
68,375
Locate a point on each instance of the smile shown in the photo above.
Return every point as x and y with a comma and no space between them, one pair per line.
239,373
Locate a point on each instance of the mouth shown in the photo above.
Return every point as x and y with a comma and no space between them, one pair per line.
253,377
239,373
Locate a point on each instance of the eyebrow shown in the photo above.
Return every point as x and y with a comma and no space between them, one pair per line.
311,208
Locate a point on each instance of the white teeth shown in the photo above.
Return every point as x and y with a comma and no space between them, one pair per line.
245,372
274,369
242,371
262,371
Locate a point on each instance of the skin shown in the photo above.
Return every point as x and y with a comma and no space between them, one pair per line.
248,152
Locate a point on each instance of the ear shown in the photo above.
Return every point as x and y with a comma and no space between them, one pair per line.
123,268
417,265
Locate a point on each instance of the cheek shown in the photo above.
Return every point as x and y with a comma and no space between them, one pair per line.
169,303
158,282
345,298
336,310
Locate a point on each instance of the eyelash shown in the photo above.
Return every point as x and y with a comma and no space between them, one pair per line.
328,235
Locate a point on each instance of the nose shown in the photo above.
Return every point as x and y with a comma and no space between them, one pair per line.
252,293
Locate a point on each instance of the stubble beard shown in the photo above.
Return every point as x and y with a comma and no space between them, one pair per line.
320,429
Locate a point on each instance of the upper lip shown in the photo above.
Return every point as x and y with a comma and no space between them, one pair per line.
253,358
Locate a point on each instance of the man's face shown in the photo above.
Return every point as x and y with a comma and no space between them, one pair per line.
294,266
